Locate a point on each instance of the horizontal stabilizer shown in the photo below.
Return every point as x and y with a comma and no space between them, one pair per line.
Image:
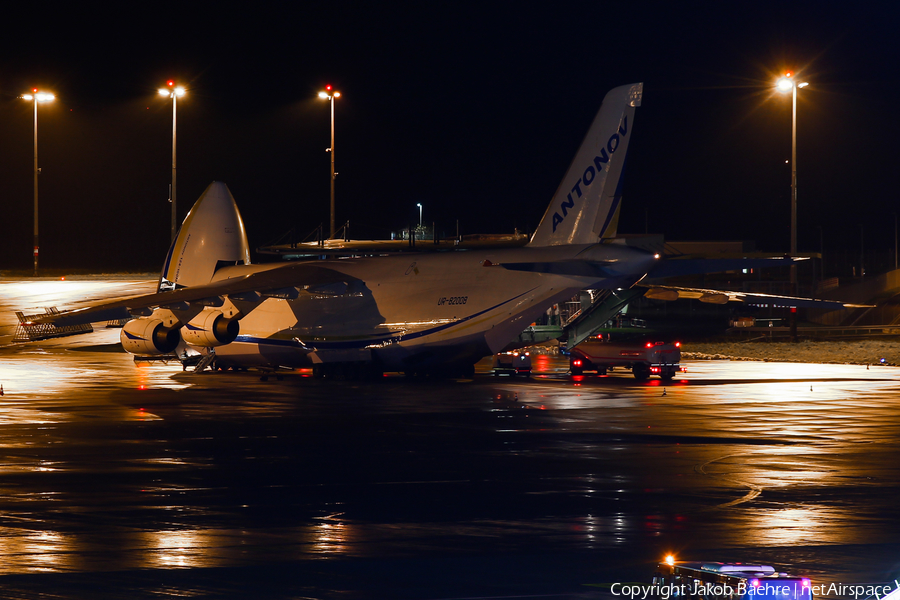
575,268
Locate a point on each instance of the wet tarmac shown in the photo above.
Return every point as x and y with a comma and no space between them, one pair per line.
145,481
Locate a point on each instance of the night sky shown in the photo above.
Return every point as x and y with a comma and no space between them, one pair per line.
472,109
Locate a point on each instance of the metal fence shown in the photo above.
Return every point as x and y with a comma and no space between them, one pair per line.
30,330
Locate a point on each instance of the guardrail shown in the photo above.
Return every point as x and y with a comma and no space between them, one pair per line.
821,332
30,331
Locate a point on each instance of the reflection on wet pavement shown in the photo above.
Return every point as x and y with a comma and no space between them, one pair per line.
108,467
604,463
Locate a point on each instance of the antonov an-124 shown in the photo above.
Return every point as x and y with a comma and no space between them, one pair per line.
415,313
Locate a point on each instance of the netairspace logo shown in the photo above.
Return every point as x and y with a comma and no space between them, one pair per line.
854,590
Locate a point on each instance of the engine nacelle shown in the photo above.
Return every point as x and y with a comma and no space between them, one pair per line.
211,328
149,336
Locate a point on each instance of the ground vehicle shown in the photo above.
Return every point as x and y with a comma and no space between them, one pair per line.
512,363
715,580
644,358
732,581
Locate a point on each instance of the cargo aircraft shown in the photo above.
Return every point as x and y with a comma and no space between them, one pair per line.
416,313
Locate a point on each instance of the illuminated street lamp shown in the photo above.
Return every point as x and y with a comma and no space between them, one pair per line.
420,215
330,94
786,84
36,97
174,92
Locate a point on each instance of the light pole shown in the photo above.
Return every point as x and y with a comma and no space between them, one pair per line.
330,94
785,84
173,92
420,215
36,97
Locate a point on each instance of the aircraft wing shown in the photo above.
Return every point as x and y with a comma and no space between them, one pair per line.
670,292
279,282
673,267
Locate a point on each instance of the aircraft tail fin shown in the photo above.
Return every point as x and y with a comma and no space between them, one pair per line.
586,205
212,236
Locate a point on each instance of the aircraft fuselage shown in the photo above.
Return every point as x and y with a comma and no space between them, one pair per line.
460,305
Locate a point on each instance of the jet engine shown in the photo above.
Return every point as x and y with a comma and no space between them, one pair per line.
149,336
211,328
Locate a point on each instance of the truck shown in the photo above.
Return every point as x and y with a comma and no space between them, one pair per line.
643,357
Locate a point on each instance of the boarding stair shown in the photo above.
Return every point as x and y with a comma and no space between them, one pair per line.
596,309
603,307
205,361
